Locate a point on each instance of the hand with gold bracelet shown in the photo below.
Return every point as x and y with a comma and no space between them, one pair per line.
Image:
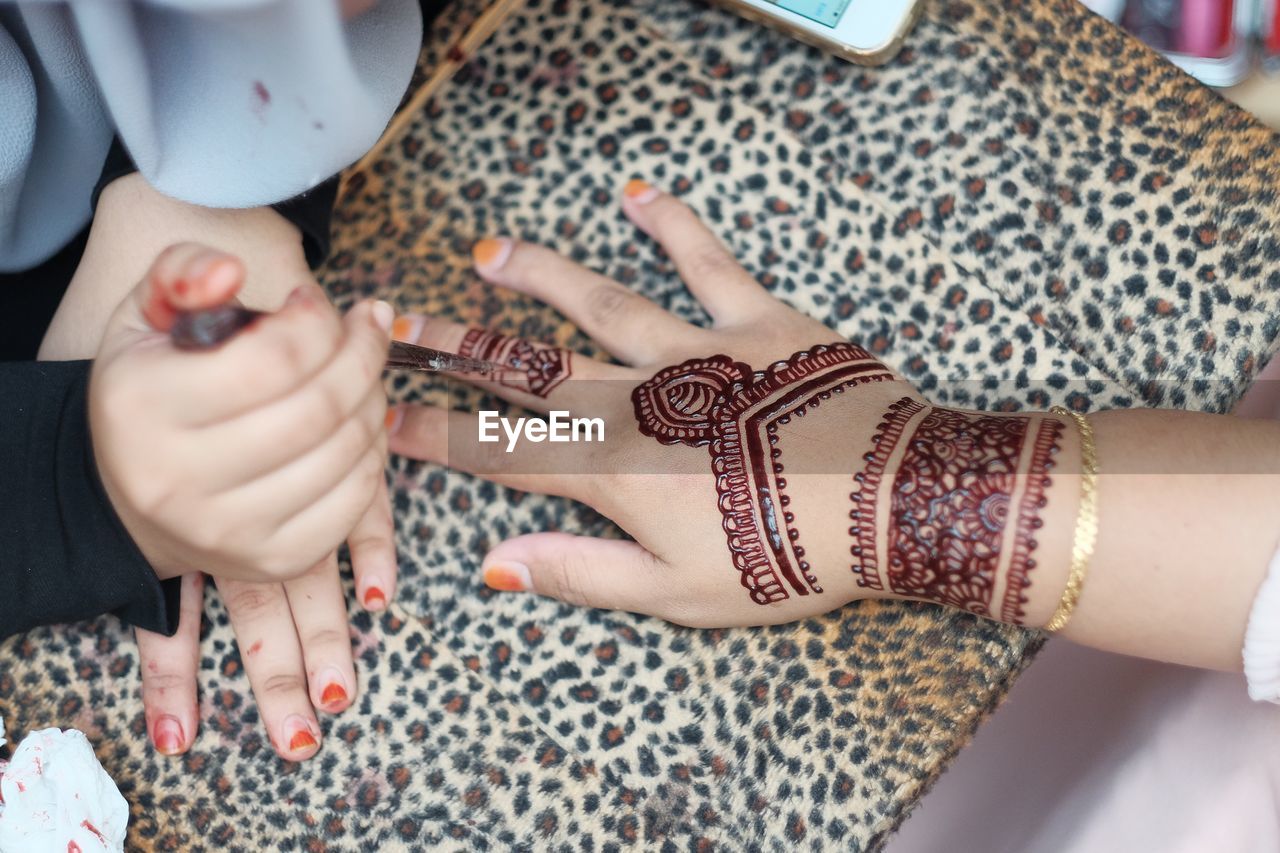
767,471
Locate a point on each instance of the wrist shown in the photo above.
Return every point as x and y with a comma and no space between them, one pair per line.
964,509
133,225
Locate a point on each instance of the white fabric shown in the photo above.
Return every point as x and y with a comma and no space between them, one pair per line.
56,797
221,103
1262,639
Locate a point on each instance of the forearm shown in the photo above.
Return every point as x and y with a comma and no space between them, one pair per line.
1189,517
133,225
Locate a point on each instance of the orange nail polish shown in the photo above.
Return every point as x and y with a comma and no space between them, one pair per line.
640,192
489,252
402,328
167,735
333,694
392,414
508,577
301,740
374,598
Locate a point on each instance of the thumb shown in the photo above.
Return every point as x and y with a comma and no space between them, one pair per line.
184,277
610,574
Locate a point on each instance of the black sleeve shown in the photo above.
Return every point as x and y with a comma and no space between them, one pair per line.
64,555
310,212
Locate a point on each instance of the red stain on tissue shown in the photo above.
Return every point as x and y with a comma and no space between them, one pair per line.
85,823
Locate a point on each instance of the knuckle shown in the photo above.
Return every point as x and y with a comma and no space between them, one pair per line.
373,355
365,539
325,408
708,259
285,565
166,263
490,458
289,356
607,304
326,638
281,684
570,583
165,680
205,537
363,480
251,600
374,471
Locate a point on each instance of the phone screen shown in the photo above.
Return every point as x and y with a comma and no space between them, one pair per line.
825,12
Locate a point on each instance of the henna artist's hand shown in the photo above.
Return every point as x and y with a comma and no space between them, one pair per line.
250,462
781,522
192,445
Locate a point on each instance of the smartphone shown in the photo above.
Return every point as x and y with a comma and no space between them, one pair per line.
868,32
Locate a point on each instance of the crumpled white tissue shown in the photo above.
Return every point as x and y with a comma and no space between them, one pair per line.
55,797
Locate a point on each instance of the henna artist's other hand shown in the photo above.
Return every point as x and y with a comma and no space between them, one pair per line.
294,644
709,549
193,446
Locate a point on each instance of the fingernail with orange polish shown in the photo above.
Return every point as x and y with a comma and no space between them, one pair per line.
640,192
393,420
491,253
374,599
508,577
407,327
335,690
298,731
167,735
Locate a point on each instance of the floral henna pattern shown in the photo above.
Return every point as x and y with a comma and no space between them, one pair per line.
544,367
720,403
958,476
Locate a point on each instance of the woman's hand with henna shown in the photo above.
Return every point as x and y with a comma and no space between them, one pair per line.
734,453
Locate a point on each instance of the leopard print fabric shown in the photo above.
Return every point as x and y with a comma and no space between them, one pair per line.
1024,208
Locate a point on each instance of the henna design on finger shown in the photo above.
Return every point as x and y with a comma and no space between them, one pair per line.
720,403
544,366
959,475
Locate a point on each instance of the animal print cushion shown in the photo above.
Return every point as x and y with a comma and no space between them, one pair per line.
1025,208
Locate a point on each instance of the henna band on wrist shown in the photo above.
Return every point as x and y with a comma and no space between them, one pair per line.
1086,522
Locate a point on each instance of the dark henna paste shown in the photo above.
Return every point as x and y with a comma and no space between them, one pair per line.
957,477
544,367
721,403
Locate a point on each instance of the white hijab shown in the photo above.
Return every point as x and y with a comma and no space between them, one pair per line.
221,103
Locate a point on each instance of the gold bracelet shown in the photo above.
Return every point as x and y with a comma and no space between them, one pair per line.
1086,521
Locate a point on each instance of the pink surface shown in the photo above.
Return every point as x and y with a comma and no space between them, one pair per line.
1101,752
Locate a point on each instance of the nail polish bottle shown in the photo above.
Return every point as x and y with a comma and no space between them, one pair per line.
1199,36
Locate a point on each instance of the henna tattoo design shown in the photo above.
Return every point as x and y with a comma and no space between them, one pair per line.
722,404
958,475
544,366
